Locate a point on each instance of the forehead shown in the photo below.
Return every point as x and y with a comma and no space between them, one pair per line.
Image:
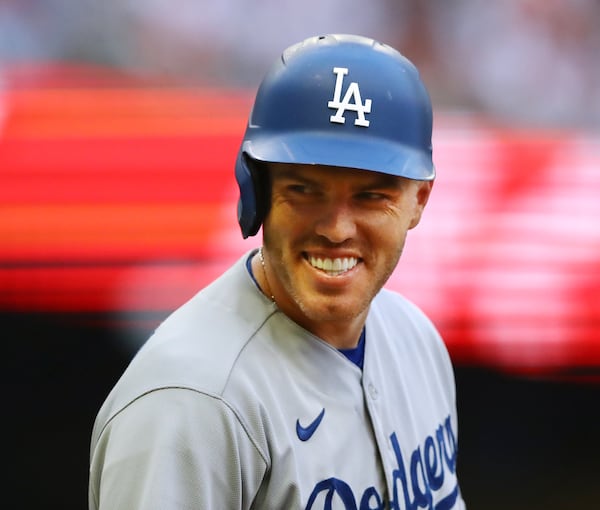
323,173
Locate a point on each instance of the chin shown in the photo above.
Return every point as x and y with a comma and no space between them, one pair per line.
330,310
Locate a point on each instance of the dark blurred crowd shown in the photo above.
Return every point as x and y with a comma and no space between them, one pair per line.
534,62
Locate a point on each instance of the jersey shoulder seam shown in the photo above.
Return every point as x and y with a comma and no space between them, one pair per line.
231,408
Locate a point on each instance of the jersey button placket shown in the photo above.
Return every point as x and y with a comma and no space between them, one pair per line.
372,390
374,402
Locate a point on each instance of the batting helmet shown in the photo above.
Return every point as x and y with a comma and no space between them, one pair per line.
335,100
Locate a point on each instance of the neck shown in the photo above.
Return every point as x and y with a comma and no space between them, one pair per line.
340,336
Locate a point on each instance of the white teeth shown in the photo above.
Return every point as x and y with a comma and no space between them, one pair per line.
333,267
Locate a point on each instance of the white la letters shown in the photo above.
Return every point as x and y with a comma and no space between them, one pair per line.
352,94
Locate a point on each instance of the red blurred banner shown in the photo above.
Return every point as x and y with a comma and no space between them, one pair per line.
122,198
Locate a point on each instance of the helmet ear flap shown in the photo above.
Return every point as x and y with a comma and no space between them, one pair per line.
253,202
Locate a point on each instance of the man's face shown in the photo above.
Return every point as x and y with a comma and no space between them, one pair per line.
333,236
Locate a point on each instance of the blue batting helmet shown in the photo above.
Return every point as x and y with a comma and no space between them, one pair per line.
335,100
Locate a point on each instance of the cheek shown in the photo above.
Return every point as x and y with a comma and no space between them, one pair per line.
397,220
407,214
279,229
387,238
283,234
393,242
390,234
288,222
282,215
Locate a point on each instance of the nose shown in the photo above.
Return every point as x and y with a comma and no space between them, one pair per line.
336,222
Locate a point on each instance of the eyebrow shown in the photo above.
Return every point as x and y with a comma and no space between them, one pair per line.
292,173
286,171
376,179
385,180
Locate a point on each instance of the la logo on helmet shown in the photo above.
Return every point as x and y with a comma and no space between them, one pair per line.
352,100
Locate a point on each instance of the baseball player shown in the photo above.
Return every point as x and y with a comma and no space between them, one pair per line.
295,381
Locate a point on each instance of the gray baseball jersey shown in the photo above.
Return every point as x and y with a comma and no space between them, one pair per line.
231,405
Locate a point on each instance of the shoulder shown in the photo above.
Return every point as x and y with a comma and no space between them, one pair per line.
168,435
393,308
404,332
197,346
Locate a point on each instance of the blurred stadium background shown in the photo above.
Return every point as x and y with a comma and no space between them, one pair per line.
119,124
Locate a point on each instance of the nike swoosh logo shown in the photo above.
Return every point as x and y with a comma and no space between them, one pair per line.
305,433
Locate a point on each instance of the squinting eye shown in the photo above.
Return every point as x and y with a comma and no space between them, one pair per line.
371,195
298,188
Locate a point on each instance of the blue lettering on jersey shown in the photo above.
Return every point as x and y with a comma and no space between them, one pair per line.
414,484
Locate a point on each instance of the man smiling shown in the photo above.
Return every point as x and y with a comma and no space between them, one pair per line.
295,380
331,240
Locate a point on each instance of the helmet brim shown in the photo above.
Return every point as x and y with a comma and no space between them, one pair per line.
360,152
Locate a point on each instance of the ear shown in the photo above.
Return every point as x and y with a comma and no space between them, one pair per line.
421,197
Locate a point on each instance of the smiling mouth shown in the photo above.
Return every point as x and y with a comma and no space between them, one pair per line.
333,267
